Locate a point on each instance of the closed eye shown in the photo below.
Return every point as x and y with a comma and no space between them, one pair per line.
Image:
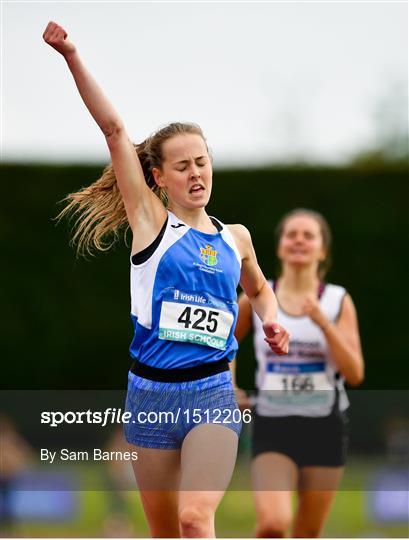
198,163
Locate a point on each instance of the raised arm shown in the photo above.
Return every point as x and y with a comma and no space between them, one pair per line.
258,291
143,208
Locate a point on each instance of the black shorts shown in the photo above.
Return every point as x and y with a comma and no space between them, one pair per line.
307,441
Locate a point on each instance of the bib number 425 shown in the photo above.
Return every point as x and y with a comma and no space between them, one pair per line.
199,319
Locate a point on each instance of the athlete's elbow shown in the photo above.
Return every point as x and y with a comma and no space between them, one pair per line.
113,130
259,290
356,377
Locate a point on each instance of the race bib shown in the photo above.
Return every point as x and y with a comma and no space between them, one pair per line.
195,318
298,385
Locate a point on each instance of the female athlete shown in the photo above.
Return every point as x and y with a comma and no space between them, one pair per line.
185,267
300,423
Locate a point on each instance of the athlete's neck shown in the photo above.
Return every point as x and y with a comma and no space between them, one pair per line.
299,280
195,218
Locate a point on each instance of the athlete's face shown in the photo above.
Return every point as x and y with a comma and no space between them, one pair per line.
301,242
186,172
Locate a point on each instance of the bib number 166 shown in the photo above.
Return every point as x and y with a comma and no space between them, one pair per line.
298,384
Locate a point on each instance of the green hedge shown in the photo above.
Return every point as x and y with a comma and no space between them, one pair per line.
66,321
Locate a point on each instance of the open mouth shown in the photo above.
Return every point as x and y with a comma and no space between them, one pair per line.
197,188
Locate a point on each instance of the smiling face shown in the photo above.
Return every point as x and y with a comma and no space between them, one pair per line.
301,242
186,171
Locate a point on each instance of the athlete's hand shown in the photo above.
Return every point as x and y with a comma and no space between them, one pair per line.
56,36
277,337
312,309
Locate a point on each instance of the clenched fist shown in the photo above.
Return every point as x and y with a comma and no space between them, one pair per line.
277,337
311,307
56,36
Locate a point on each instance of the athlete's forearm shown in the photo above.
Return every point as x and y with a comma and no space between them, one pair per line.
264,303
349,363
94,99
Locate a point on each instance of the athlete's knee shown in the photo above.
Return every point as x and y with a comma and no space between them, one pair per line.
272,526
195,521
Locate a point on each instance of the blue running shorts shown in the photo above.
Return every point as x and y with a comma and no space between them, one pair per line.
163,413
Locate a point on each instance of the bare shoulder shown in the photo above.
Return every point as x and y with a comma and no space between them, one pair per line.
240,233
348,306
242,238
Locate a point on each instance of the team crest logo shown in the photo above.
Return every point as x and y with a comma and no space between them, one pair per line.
208,255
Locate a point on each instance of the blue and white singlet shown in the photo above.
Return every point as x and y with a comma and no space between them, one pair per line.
184,300
305,382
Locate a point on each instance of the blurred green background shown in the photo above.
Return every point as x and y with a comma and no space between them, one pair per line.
61,312
66,321
103,513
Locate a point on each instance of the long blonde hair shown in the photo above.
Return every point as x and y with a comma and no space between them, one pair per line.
98,211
